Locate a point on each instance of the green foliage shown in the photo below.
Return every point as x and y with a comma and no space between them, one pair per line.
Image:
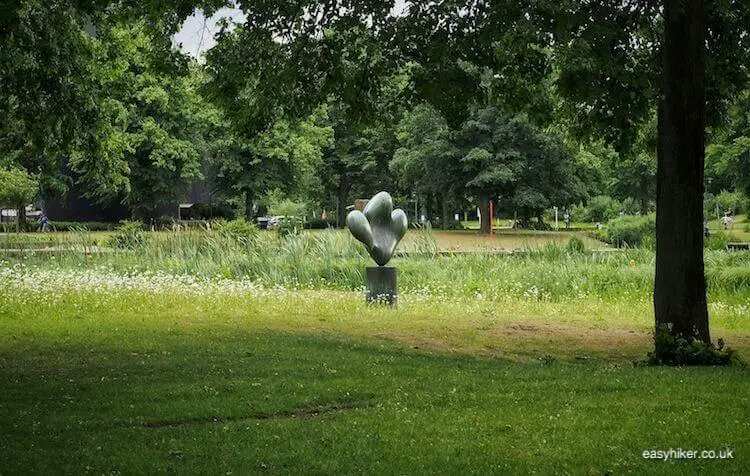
290,226
531,169
425,160
239,230
87,225
17,188
285,206
600,208
728,152
290,214
677,350
718,240
575,245
151,127
631,231
355,165
286,158
731,201
129,235
45,98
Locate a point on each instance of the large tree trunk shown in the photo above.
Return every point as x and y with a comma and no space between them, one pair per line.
680,287
342,196
485,220
446,219
21,218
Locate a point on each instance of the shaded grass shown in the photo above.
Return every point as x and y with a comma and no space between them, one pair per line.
144,381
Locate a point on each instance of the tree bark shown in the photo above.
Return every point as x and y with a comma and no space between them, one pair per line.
680,285
341,198
21,218
445,219
485,220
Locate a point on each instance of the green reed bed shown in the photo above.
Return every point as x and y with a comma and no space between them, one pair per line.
334,260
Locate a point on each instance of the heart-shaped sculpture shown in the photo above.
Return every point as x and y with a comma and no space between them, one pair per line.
379,227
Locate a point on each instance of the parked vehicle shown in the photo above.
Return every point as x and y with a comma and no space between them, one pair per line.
262,222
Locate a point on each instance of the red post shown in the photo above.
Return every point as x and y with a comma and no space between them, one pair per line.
492,218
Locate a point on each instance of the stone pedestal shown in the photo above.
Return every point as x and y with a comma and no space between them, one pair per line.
381,285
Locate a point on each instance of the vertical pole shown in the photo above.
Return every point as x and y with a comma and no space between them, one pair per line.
557,228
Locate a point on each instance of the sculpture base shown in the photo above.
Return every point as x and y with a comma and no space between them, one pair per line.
381,285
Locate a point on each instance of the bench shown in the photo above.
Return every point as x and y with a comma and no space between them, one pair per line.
736,246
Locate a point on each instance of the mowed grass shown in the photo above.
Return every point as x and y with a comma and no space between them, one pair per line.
738,231
464,240
468,240
201,379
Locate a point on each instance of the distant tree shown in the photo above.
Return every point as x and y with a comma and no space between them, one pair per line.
425,160
507,157
45,76
728,152
632,173
592,162
17,189
52,73
356,161
147,138
284,158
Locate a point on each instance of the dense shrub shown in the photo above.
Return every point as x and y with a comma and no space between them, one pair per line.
83,225
575,245
677,350
240,230
318,224
290,225
454,225
737,202
599,209
129,235
718,240
632,231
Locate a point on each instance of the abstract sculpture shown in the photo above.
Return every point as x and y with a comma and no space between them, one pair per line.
380,228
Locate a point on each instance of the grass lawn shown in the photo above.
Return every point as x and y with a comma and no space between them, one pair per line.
502,239
109,377
739,230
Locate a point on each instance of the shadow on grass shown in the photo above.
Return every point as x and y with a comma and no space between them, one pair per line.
215,401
